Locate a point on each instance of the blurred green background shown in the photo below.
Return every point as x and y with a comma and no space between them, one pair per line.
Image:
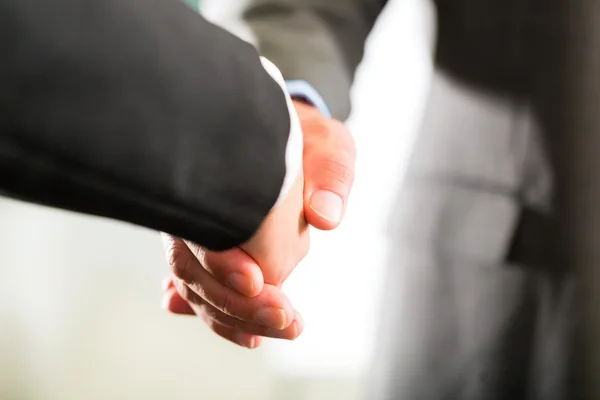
195,4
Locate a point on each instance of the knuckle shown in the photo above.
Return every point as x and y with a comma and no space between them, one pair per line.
338,169
170,251
198,251
175,256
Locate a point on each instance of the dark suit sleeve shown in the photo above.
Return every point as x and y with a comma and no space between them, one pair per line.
318,41
140,111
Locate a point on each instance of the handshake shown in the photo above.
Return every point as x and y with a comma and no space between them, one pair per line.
238,292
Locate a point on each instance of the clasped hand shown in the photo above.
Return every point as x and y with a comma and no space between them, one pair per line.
238,292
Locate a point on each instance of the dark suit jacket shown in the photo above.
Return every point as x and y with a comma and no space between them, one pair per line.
140,111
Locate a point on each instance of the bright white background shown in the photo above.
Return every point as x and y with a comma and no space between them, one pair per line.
80,313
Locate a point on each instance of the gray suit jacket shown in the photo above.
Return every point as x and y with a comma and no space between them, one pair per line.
497,225
318,41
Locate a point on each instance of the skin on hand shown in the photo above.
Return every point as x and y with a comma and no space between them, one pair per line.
277,247
329,158
282,240
193,290
230,278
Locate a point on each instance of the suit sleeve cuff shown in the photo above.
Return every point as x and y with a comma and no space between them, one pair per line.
303,90
294,148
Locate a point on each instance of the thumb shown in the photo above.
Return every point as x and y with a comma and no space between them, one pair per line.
329,157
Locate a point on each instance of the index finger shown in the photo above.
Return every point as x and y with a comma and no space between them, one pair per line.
233,268
269,308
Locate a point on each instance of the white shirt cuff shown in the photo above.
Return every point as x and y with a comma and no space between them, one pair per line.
295,144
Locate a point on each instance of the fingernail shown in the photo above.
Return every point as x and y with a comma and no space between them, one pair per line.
328,205
296,330
298,326
241,283
273,317
246,340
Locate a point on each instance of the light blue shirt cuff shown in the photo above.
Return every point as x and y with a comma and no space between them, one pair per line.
303,90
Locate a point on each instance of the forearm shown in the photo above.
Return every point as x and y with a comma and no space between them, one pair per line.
304,49
139,111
